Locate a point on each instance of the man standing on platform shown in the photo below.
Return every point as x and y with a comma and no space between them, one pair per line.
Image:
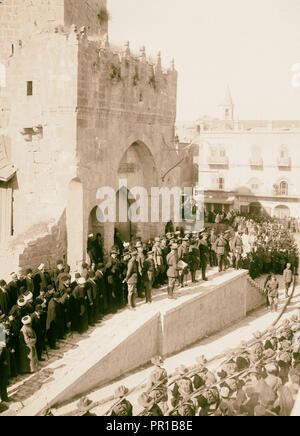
219,248
288,278
237,246
204,254
172,261
132,279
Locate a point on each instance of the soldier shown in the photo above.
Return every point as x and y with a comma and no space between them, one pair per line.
182,373
131,279
219,248
148,276
288,278
186,406
149,405
204,254
123,407
272,292
194,258
140,260
203,375
157,384
212,253
172,261
237,246
158,261
183,255
113,282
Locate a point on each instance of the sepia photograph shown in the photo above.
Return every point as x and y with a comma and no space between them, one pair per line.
149,210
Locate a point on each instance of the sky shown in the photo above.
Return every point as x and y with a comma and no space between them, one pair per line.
251,45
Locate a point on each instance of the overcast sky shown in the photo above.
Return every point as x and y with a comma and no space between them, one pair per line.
249,44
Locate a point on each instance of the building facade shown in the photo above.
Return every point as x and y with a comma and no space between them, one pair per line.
247,165
76,114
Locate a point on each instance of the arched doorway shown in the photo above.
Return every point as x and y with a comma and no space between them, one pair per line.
255,208
282,212
137,168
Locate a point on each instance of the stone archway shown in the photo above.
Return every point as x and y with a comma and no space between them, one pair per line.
282,212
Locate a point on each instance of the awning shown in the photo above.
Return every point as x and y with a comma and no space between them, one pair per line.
227,200
7,172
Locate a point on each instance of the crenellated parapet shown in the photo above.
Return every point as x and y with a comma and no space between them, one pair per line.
117,77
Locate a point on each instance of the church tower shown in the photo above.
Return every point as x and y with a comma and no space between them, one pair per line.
227,107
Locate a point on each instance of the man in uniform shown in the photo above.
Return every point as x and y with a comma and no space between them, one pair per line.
149,405
172,261
158,262
157,383
183,255
219,248
123,407
132,279
288,278
148,276
204,254
140,260
272,292
237,246
194,257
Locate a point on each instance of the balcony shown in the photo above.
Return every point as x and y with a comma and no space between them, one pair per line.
256,162
284,162
220,161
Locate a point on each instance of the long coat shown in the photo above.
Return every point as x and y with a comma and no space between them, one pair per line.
28,360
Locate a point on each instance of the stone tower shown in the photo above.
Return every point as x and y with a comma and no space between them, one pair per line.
20,19
76,114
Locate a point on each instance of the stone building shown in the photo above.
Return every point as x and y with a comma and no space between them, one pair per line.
76,114
248,165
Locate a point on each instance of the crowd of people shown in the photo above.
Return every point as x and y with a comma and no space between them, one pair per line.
37,309
259,378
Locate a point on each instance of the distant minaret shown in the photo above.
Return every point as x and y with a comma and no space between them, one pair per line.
227,107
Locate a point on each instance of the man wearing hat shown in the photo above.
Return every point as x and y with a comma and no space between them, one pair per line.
148,276
80,294
157,383
150,408
288,278
140,260
28,359
186,406
204,254
183,255
172,261
123,407
4,373
194,258
13,289
112,276
219,248
237,248
40,279
132,279
4,298
272,291
158,262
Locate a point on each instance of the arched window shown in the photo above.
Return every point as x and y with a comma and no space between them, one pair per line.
283,188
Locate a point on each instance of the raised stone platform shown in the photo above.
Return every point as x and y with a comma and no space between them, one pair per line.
129,340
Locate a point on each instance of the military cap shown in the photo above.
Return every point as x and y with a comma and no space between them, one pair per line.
26,320
284,358
83,405
224,392
201,360
121,392
145,400
271,367
185,387
174,246
182,369
65,278
157,360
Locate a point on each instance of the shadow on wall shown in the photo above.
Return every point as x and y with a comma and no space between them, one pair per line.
48,247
